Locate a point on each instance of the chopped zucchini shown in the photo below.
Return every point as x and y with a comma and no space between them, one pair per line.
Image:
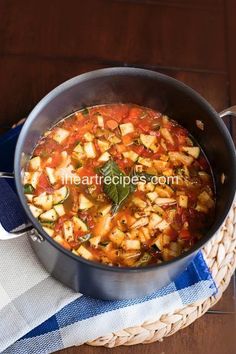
60,135
152,196
78,152
166,135
131,155
68,230
139,202
84,203
28,189
49,215
44,201
94,241
34,179
104,157
27,177
176,156
90,150
193,151
117,236
163,225
183,201
88,136
49,231
79,224
206,200
51,175
148,140
131,244
145,161
126,128
35,211
83,252
113,139
143,260
60,195
35,163
60,210
59,239
103,145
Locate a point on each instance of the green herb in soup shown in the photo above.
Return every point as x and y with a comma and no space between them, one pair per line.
122,185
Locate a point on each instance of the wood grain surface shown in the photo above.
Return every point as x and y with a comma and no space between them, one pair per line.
43,43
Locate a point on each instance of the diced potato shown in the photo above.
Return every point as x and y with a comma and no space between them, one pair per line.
49,215
131,244
139,202
90,150
105,209
79,224
60,210
152,196
165,201
51,174
103,145
183,201
68,230
140,222
176,156
117,236
49,231
154,220
88,136
44,201
35,211
131,155
145,161
100,121
84,203
60,135
104,157
35,163
148,140
193,151
167,135
83,252
94,241
126,128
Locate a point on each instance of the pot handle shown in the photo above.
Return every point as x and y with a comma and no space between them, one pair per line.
231,111
25,230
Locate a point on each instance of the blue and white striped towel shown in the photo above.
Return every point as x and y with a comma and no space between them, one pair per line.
39,315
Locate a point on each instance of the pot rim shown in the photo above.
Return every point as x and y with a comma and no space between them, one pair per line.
132,72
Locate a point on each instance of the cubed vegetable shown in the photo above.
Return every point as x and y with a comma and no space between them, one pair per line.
148,140
49,231
105,209
100,121
49,215
60,195
167,135
84,202
103,145
85,253
126,128
183,201
193,151
131,155
60,210
35,163
88,136
165,201
60,134
117,236
154,221
145,161
79,224
35,211
51,174
68,230
44,201
90,150
131,244
104,157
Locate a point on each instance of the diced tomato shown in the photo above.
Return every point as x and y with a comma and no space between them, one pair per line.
185,234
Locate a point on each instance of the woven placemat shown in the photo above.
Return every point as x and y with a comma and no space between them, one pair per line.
220,256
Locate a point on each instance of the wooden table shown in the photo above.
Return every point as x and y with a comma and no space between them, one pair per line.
43,43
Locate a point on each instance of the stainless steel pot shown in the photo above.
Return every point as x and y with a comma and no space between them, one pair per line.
145,88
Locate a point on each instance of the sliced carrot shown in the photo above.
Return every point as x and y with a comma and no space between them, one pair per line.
112,124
